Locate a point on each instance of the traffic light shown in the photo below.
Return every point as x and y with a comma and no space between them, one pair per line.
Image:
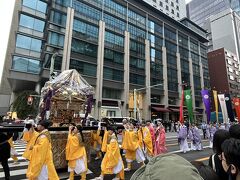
30,100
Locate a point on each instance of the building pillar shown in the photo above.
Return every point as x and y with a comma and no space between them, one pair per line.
192,83
165,80
147,96
125,109
179,77
100,62
68,40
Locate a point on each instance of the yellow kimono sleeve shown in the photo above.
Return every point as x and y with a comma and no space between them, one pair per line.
130,141
27,153
10,141
104,142
38,157
73,148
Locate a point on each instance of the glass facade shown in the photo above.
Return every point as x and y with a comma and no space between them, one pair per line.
28,43
112,74
31,23
83,67
36,5
56,39
84,48
26,65
58,18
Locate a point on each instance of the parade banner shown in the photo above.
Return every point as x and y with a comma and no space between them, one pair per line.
181,118
221,98
229,107
216,103
188,100
236,102
207,103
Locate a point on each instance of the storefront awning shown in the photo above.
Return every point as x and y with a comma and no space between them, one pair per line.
174,109
160,109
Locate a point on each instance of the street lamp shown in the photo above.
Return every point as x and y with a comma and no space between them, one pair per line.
52,66
135,97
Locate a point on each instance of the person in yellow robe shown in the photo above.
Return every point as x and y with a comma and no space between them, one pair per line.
132,146
76,154
41,160
13,151
97,142
145,140
112,161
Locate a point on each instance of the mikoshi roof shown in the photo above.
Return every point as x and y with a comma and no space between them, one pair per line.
68,85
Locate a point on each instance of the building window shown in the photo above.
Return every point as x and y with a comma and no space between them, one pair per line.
171,47
172,4
111,93
65,3
31,23
194,45
85,31
161,4
136,33
170,34
114,41
36,5
83,68
183,40
112,74
167,8
56,39
113,56
177,14
137,79
172,11
176,1
29,43
137,49
115,8
166,1
136,19
137,63
26,65
177,7
58,18
84,48
113,23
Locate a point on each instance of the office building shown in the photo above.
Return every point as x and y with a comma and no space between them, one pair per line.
116,45
223,63
173,8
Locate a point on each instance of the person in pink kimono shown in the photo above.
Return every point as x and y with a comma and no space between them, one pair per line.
160,143
152,131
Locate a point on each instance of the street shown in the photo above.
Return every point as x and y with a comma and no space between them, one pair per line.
18,171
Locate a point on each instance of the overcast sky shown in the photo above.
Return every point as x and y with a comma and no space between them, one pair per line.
187,1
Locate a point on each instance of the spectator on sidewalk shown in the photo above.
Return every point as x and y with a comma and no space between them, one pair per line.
231,158
167,167
215,160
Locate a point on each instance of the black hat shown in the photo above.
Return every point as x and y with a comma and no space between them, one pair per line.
45,123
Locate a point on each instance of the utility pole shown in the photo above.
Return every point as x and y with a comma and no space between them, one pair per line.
135,97
52,66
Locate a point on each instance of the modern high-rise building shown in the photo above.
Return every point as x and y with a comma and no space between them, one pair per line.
173,8
116,45
223,63
200,10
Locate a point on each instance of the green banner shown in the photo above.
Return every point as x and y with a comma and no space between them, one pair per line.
188,103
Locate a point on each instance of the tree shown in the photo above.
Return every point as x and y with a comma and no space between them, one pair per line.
20,105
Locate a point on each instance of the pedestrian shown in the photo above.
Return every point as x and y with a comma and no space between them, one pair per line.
145,140
5,150
41,161
97,142
204,129
152,131
112,161
231,158
160,143
131,145
182,138
205,171
194,135
76,153
215,160
13,151
167,167
172,126
211,129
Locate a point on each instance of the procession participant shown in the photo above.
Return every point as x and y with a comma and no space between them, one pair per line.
112,161
132,147
13,151
195,136
182,138
30,137
97,142
76,154
210,133
5,150
152,131
160,143
145,140
41,161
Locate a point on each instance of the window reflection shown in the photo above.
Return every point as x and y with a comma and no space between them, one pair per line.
28,43
26,65
36,5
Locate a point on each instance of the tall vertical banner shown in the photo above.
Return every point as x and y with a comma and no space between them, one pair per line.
216,103
181,118
188,100
229,107
207,103
221,98
236,102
